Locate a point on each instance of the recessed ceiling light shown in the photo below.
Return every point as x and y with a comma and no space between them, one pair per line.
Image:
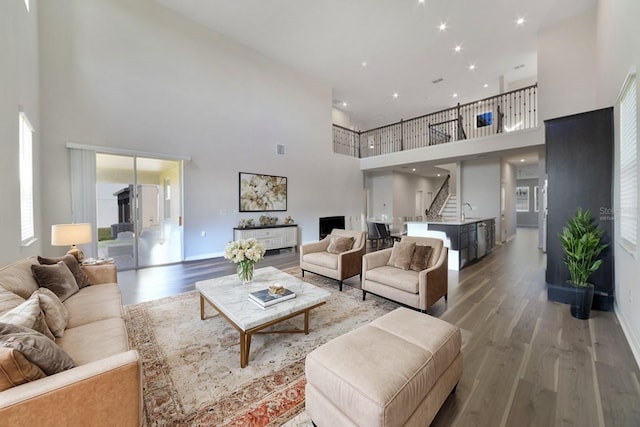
520,21
364,63
414,169
442,26
486,85
521,160
344,104
438,174
458,48
472,67
420,1
455,95
395,94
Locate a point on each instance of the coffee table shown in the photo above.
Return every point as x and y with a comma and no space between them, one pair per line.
231,299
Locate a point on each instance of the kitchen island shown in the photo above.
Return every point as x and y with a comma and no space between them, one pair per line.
468,240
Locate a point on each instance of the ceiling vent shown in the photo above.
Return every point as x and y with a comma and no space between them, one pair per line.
437,80
517,67
280,149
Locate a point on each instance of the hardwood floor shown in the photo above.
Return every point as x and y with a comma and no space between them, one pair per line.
526,360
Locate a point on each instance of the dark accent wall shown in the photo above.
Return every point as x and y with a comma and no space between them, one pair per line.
580,174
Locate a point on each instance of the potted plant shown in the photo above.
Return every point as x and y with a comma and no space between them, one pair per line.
581,243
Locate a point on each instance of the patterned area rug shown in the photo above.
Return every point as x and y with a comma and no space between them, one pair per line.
191,367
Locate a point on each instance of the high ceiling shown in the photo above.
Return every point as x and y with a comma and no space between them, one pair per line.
400,41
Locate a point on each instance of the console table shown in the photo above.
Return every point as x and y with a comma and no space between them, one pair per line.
271,236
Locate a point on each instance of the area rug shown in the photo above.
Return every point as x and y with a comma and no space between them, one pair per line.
191,371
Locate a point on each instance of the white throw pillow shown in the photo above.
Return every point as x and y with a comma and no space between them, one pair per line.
29,315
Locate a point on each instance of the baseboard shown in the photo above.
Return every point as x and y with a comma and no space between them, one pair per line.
631,339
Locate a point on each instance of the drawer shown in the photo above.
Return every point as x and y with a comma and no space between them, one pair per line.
265,233
243,234
272,242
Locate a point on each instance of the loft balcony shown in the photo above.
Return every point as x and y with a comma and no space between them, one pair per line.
507,113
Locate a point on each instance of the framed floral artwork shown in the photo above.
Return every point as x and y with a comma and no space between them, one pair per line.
262,193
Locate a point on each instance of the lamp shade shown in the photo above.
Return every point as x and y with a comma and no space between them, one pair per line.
70,234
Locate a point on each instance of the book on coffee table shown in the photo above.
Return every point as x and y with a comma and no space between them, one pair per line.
264,298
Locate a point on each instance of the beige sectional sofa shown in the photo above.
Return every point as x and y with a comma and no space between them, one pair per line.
104,387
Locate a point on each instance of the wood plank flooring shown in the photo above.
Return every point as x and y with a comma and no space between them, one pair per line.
527,362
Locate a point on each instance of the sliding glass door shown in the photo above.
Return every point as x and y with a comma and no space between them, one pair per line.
139,210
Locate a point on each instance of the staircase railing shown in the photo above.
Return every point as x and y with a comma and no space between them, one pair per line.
438,202
507,112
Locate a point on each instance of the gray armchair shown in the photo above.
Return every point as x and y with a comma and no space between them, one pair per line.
316,257
417,289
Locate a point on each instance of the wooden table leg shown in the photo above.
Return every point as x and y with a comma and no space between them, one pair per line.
248,347
306,322
201,308
243,350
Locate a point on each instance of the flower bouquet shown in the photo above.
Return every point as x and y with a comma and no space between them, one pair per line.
245,253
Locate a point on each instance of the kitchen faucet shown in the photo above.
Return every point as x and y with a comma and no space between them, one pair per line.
463,209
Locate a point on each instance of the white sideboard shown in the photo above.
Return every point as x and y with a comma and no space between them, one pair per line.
272,237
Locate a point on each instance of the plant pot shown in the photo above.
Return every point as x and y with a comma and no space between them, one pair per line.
581,307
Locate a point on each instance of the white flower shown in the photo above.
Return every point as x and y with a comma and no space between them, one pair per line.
243,250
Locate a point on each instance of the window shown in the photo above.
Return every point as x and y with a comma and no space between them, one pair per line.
628,164
27,234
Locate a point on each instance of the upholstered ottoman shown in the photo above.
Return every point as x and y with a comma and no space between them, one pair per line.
396,371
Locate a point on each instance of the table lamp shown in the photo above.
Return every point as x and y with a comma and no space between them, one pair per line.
71,235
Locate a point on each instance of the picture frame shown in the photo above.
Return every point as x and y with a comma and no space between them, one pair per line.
262,193
484,119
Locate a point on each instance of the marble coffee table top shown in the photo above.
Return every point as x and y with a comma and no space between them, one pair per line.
231,297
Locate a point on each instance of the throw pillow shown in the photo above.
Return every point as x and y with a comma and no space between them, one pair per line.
9,300
56,314
338,244
420,259
36,348
74,266
57,278
15,369
29,315
401,255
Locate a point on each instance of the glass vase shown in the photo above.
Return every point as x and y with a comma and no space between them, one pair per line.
245,272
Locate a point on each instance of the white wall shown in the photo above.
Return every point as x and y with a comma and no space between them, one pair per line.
380,190
480,187
405,186
136,75
508,224
567,67
344,119
618,50
522,83
18,91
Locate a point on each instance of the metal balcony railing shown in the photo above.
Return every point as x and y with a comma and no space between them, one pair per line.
507,112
